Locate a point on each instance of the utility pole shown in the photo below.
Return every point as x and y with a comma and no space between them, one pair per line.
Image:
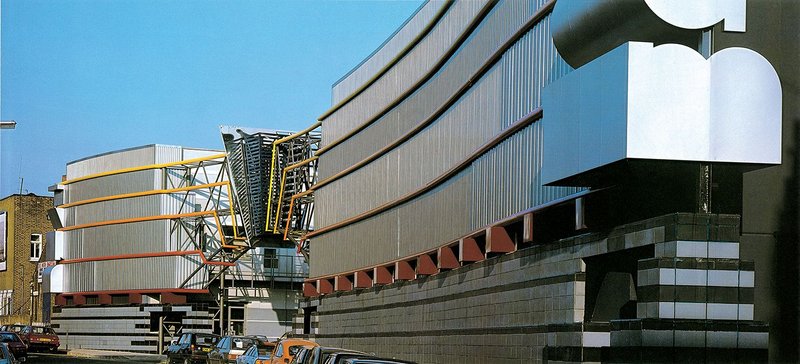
30,309
222,327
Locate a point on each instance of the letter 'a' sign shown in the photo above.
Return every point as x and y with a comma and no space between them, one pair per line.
636,100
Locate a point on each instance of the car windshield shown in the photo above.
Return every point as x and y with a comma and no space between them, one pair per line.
206,340
43,331
264,349
241,342
8,337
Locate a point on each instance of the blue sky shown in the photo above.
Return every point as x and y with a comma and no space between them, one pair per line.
84,77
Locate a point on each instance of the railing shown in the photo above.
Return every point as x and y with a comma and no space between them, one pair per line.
283,265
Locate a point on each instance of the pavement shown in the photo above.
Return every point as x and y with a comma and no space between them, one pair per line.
117,355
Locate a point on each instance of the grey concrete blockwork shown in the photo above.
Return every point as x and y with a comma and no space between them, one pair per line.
531,305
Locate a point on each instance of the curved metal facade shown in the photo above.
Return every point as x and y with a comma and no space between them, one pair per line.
413,28
100,240
498,183
405,73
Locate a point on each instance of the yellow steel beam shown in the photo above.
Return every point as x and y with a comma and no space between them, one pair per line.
291,207
138,219
146,193
272,167
269,191
145,167
299,133
283,184
233,215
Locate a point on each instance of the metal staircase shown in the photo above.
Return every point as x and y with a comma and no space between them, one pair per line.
272,174
250,159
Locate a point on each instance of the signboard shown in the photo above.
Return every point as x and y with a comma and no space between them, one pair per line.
41,266
3,246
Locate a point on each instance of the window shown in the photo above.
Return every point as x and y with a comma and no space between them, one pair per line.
5,302
92,300
119,299
270,259
36,246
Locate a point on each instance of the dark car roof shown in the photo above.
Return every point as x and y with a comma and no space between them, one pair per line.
326,349
376,361
10,333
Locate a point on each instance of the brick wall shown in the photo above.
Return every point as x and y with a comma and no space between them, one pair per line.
27,214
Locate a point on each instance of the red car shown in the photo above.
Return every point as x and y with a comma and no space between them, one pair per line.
40,337
15,344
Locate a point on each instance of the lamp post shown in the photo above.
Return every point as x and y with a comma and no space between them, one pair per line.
5,124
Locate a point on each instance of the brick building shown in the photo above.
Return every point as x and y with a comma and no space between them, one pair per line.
23,226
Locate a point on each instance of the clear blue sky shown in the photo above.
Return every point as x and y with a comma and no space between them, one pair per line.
85,77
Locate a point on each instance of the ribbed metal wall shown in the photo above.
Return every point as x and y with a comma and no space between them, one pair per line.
501,182
437,217
496,101
129,208
132,238
160,272
405,73
430,153
367,242
501,23
140,237
113,185
387,51
133,157
507,180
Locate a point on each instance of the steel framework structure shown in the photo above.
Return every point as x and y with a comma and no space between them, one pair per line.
273,174
201,226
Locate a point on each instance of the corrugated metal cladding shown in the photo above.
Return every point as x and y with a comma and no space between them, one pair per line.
387,51
405,73
501,23
161,272
362,244
129,208
496,101
132,238
507,179
116,184
500,183
133,157
139,237
430,153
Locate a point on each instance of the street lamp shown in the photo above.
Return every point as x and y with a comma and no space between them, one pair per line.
8,124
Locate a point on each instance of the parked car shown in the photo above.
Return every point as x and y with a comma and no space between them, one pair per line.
40,337
228,348
191,347
323,355
287,348
260,353
6,356
375,361
13,328
15,344
340,357
301,355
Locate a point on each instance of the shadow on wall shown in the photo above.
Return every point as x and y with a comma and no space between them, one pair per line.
787,261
